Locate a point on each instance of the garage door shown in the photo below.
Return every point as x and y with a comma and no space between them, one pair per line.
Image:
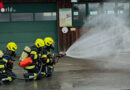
27,22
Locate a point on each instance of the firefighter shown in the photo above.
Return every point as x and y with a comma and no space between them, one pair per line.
35,54
48,56
49,44
6,63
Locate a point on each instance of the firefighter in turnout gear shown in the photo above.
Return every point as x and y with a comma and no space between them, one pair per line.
6,63
34,55
48,57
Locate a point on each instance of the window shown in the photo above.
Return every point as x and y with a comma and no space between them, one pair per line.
4,17
22,16
45,16
109,8
94,8
123,9
79,12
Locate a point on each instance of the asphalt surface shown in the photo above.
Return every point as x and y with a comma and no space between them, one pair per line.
78,74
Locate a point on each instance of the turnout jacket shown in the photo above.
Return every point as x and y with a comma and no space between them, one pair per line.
6,62
35,55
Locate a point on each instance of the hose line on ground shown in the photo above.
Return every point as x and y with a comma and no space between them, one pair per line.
26,78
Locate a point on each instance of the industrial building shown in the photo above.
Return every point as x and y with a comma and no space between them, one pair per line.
23,21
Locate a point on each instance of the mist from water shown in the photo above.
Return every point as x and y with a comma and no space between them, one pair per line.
107,36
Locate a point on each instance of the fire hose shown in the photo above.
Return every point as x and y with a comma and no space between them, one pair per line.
25,78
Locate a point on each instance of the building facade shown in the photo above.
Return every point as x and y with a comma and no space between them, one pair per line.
23,21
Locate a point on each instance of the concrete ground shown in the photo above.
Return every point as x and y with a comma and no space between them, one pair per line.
77,74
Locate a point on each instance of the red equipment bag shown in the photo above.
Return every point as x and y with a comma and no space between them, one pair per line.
26,62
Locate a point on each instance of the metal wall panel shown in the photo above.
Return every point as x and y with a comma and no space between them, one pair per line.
22,16
4,17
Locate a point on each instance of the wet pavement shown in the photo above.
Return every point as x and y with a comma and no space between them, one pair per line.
77,74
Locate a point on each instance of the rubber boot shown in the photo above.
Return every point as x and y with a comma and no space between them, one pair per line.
7,80
28,76
43,74
50,70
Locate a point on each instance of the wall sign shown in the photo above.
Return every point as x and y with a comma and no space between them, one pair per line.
65,17
7,9
64,29
72,29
